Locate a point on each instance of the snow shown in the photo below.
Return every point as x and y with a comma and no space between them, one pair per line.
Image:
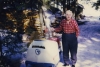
89,43
89,47
88,50
89,39
89,10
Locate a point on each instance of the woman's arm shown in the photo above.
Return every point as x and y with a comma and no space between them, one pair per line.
59,29
76,28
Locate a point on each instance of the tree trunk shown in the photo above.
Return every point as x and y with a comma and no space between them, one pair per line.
76,1
64,5
57,3
41,21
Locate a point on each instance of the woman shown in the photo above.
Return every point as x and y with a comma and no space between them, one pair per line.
69,38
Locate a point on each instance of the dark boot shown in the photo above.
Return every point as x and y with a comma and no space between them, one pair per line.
73,66
66,64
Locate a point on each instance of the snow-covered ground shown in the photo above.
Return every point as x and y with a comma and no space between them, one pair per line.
90,11
89,41
89,45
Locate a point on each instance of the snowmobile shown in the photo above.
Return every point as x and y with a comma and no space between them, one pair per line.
43,53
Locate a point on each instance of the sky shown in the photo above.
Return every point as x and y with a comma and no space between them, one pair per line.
88,9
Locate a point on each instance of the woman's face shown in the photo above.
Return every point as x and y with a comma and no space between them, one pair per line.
68,15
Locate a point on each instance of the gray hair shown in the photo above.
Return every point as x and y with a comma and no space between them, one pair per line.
69,12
